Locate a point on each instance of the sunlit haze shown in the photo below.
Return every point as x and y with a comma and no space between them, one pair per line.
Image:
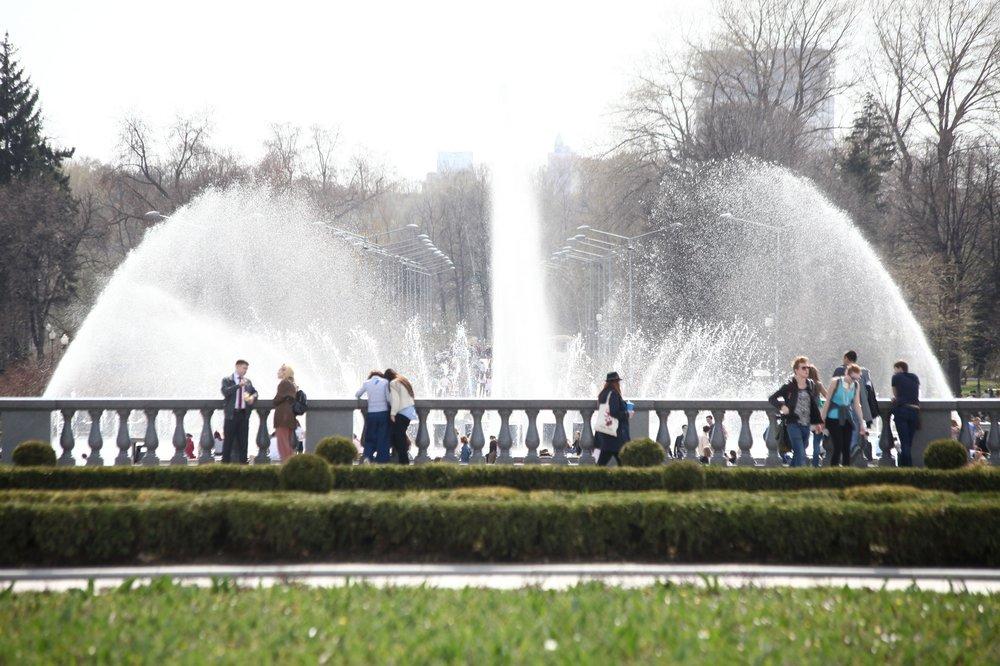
402,80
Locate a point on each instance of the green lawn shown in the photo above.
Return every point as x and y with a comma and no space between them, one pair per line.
168,624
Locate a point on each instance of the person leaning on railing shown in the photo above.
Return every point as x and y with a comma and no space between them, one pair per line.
905,409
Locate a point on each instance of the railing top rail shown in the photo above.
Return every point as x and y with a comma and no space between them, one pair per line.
464,404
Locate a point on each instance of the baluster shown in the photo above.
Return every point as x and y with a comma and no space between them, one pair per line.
663,434
124,438
478,438
423,437
180,439
559,439
965,436
450,440
586,438
745,441
531,439
691,437
504,441
263,437
885,439
718,440
152,440
96,438
206,443
773,459
994,438
66,440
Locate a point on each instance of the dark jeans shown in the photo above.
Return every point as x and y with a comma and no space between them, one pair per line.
377,437
906,426
400,447
840,438
235,432
606,457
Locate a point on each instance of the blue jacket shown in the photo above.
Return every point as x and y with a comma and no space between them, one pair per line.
607,442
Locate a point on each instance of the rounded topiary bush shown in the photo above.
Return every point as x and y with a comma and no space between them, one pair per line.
684,476
337,450
306,472
641,453
946,454
34,453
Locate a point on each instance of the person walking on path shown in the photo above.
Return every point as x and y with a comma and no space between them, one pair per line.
905,409
238,395
284,416
796,400
845,395
611,407
402,412
376,436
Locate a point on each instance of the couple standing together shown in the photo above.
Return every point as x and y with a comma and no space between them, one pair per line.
239,395
390,412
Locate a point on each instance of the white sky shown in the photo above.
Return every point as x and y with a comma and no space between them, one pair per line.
403,79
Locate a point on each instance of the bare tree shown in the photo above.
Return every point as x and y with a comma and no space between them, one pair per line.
322,147
763,86
936,73
280,165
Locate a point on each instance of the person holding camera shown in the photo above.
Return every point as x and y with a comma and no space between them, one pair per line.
238,396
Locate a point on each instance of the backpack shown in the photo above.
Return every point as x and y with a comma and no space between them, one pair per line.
872,401
299,405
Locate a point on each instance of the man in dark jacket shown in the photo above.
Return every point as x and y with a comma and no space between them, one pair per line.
238,396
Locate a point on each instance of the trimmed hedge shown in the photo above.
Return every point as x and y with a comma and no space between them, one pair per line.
306,472
675,476
34,453
337,450
103,527
642,453
946,454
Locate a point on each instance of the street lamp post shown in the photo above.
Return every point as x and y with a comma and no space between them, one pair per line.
620,242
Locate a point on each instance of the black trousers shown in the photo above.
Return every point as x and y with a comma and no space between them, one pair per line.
840,438
397,435
606,457
235,433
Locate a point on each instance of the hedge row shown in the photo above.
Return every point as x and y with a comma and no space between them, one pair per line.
496,524
682,476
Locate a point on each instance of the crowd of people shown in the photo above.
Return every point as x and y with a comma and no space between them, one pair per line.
832,417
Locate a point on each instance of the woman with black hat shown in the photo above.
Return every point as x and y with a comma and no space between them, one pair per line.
609,435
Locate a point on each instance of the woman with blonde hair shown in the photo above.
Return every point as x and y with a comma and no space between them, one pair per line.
284,416
401,413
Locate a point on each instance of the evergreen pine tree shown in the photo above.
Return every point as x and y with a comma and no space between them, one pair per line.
24,151
870,151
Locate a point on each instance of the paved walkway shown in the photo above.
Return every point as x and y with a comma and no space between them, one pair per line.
510,576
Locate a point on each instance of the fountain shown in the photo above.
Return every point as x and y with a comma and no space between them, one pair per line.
765,268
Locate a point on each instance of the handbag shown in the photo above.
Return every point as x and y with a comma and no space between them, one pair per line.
606,423
784,445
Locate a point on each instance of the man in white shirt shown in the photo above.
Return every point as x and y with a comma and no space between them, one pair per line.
376,436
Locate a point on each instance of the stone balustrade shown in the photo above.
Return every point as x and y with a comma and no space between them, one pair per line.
32,418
